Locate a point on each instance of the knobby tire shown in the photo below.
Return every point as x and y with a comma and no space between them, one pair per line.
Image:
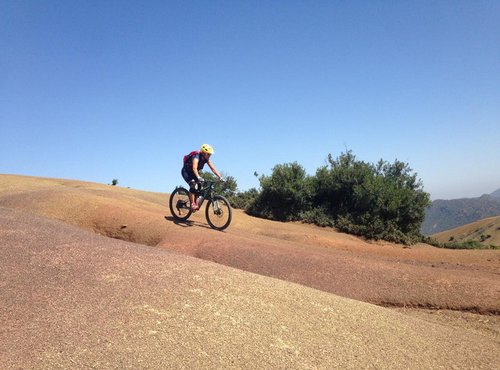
225,211
182,195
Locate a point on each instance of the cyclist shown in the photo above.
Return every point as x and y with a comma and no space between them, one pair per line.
193,163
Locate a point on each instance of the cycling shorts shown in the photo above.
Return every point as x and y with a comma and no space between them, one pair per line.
187,175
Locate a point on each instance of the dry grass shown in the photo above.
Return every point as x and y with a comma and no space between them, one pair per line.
486,231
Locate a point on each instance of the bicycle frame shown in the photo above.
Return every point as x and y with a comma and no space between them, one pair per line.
206,192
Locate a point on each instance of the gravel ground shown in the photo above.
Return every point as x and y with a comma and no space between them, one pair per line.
72,299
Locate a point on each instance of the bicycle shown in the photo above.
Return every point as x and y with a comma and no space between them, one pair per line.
218,211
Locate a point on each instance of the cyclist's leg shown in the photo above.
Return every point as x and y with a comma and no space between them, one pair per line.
190,178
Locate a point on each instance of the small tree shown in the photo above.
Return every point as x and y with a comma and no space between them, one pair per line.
114,182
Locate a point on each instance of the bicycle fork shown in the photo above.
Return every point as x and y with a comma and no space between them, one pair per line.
217,209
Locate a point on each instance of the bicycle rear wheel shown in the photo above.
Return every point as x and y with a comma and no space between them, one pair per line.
218,213
179,204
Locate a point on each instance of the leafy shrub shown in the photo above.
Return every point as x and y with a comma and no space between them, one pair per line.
484,237
382,201
243,200
284,195
317,216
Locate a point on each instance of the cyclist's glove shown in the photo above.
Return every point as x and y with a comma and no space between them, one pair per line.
201,179
222,179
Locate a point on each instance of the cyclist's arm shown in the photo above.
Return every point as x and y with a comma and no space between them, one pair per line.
195,167
214,170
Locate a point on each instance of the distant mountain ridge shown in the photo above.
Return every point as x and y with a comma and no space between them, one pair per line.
448,214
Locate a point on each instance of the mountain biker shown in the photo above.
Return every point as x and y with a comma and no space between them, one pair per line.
193,163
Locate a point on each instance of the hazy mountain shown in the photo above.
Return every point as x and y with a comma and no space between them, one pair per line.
448,214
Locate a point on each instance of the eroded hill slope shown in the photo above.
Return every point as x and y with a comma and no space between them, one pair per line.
73,299
380,273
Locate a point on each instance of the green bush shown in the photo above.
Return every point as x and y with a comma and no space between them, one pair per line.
243,200
317,216
284,195
382,201
484,237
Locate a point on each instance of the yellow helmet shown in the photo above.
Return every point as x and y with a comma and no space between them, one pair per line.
205,148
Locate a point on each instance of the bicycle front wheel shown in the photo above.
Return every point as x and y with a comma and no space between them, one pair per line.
179,204
218,213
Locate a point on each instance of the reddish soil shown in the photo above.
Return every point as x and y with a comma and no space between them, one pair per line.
386,274
443,289
72,299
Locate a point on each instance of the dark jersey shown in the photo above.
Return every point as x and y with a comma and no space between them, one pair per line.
188,163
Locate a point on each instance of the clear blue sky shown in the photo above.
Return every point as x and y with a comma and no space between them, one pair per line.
97,90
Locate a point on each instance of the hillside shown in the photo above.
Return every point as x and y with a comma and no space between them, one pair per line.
71,299
385,274
485,231
447,214
290,295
